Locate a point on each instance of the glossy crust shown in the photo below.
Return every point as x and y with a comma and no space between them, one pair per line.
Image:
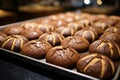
108,21
102,25
53,17
112,30
14,42
28,25
64,57
13,30
97,30
69,19
75,25
45,27
78,43
36,49
85,22
32,33
115,18
59,23
53,38
90,35
106,47
65,31
2,36
111,36
93,18
96,65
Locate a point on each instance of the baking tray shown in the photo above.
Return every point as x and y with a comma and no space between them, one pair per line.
71,73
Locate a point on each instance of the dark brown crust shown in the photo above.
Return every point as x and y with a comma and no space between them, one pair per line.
108,48
113,30
59,23
90,35
85,22
101,24
96,65
75,25
31,33
65,31
80,44
14,42
28,25
52,37
117,25
115,37
45,27
2,36
13,30
36,49
64,57
97,30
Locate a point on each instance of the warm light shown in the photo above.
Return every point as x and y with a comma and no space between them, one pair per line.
1,11
87,1
99,2
56,3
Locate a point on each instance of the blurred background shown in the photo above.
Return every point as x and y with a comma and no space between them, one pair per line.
18,10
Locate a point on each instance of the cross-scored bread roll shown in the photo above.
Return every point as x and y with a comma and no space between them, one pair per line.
52,37
14,42
96,65
106,47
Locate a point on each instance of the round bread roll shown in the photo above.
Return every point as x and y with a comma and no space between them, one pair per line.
36,49
32,33
65,31
106,47
85,22
64,57
75,25
90,35
45,27
96,65
59,23
52,37
112,30
14,42
102,25
13,30
115,37
28,25
78,43
98,30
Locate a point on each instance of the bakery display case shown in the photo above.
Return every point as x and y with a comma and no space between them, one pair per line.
74,44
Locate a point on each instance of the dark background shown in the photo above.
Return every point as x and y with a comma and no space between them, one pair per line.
17,15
